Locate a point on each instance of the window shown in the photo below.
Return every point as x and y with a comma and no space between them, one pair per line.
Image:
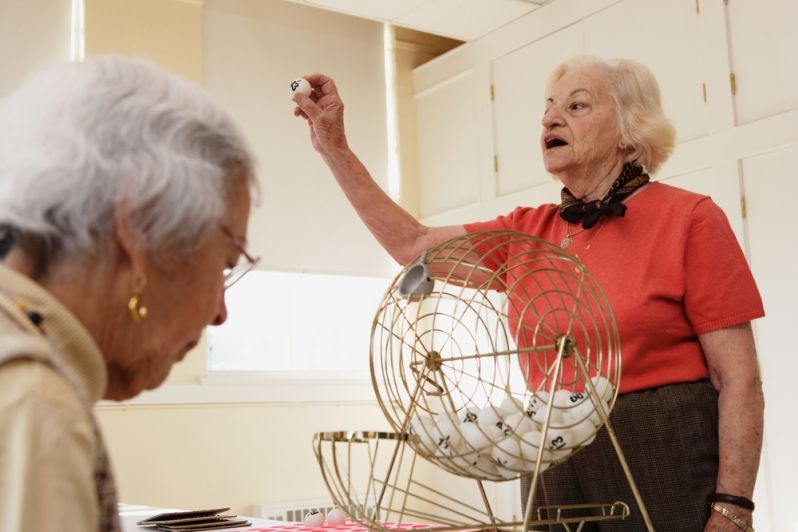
297,322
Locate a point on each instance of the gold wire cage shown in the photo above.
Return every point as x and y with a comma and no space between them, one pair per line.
495,356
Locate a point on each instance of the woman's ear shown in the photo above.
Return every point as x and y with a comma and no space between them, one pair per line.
132,244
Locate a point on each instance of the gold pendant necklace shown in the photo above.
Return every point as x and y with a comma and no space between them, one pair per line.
568,240
569,236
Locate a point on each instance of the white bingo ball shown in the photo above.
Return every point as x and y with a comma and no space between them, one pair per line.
507,454
536,402
483,467
510,405
530,443
603,387
469,415
583,432
301,86
518,424
423,426
447,437
314,519
560,442
576,398
562,398
474,436
540,415
488,416
586,410
336,517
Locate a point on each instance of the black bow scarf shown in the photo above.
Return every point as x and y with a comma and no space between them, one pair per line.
574,210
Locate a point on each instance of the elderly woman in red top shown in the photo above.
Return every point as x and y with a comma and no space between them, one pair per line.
689,413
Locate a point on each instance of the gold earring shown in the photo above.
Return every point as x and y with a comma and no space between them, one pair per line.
136,306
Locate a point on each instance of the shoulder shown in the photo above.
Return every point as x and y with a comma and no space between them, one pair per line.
26,378
659,191
680,205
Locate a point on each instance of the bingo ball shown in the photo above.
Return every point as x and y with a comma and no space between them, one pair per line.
585,410
336,517
474,436
518,424
536,403
483,467
583,432
488,416
510,406
530,443
314,519
507,454
603,387
469,415
562,398
540,415
447,437
300,86
559,442
423,426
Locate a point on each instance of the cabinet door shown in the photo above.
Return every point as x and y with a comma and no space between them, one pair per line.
519,80
762,44
771,186
448,151
665,37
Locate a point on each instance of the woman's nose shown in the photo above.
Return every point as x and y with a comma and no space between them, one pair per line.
221,314
551,117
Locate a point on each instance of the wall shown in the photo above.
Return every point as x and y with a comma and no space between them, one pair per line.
168,32
32,33
479,110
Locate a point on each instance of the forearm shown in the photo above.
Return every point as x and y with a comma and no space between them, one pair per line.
740,426
734,371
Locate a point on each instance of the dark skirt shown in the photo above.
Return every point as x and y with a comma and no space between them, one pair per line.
669,436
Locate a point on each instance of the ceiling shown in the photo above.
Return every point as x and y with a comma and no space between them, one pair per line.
464,20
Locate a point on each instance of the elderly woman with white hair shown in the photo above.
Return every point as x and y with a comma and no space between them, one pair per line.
689,411
124,201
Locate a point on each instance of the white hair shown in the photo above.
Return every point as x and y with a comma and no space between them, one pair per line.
79,139
636,94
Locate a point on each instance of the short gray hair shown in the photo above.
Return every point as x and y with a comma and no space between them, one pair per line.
643,124
77,139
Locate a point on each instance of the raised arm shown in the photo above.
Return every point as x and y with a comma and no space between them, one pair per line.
734,371
402,236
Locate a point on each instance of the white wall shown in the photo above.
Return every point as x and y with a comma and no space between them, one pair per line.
253,49
730,146
32,33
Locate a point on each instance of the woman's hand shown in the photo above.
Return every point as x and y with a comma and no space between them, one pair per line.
324,111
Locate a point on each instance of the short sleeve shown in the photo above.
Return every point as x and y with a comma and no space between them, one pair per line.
720,290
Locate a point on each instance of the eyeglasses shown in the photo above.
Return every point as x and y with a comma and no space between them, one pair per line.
234,274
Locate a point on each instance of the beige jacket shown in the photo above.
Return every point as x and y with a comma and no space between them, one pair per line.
49,442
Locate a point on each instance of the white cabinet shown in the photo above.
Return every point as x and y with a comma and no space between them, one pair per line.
447,145
664,36
771,184
763,44
519,81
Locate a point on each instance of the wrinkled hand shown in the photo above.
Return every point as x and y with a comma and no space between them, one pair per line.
324,112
